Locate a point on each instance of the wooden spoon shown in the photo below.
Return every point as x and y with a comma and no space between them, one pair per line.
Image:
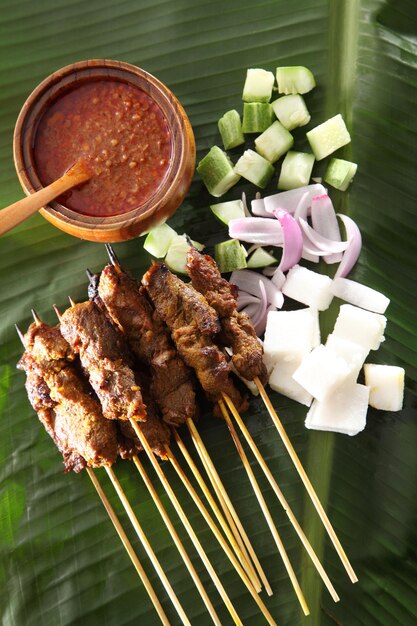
19,211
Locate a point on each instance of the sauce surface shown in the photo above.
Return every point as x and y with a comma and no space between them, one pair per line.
121,131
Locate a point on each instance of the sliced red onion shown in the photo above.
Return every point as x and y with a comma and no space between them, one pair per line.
259,319
322,243
324,221
248,281
292,247
251,309
288,200
259,230
313,258
278,278
258,208
245,205
269,271
352,252
244,299
303,207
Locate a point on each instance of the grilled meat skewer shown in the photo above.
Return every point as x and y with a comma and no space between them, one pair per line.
126,302
106,359
237,328
186,313
58,393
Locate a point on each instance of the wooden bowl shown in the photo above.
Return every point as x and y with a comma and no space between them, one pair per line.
168,195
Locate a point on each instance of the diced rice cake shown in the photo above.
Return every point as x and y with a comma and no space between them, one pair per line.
386,383
362,327
290,335
308,287
281,380
342,412
353,353
321,372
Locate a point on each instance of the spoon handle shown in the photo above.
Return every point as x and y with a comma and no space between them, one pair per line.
19,211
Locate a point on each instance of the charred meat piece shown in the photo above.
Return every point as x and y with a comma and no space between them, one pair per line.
149,339
176,303
58,392
155,430
106,359
237,329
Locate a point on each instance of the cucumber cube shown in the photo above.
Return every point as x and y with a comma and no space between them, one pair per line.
217,172
254,168
261,258
257,116
226,211
274,142
291,111
176,258
328,137
230,128
258,86
340,173
295,170
297,79
230,256
159,239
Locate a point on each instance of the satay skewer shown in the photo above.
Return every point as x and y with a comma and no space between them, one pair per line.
116,523
306,481
282,499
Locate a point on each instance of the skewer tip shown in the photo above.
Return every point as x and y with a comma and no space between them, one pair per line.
57,311
71,301
36,317
113,257
21,335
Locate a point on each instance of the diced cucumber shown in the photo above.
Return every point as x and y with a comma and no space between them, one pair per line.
274,142
226,211
291,111
254,168
258,86
328,137
257,116
217,172
159,239
261,258
295,79
340,173
230,255
295,170
176,257
230,128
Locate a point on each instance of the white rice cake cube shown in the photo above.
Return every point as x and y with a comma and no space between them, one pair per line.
290,335
281,380
360,326
360,295
353,353
342,412
387,386
321,372
308,287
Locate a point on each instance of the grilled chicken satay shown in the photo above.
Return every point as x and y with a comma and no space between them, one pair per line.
149,339
59,395
237,328
106,360
193,324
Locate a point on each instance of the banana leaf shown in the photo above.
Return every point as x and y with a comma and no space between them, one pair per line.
61,561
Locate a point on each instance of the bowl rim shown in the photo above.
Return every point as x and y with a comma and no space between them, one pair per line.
182,148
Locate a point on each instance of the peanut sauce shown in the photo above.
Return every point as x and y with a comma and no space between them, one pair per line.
124,135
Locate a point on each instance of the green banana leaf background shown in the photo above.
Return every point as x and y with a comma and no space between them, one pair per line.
61,561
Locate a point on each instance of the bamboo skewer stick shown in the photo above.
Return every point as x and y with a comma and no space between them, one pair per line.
129,549
243,575
116,522
282,499
307,484
223,524
189,529
265,510
219,487
144,541
173,534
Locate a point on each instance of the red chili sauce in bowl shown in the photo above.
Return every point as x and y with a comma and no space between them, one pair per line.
121,131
